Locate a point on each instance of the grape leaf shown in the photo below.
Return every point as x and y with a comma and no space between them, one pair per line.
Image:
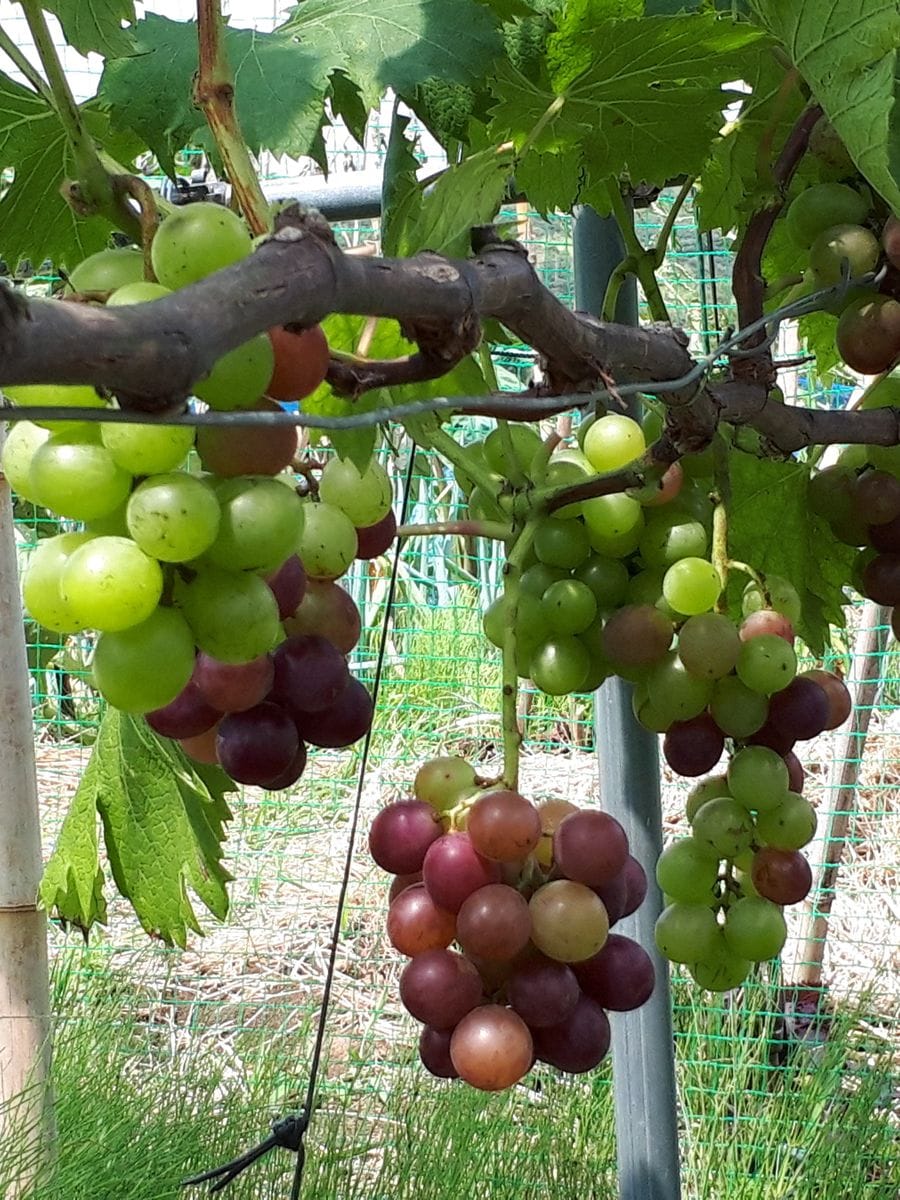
817,332
95,24
552,181
770,526
33,145
398,44
280,89
164,825
847,51
643,97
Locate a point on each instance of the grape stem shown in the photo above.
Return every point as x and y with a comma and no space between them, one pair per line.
720,552
644,261
494,530
450,449
514,472
214,94
34,77
512,734
143,194
734,564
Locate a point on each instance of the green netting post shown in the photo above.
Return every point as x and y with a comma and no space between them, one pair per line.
628,761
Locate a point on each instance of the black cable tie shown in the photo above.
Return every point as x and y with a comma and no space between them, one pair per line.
287,1134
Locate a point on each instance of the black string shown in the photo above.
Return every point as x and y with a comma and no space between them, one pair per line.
289,1132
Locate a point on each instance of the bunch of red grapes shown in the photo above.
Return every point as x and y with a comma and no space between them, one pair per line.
527,895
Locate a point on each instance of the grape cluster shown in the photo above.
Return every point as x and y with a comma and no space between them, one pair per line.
528,893
841,229
211,587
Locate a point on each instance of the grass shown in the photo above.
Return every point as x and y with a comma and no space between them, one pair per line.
140,1104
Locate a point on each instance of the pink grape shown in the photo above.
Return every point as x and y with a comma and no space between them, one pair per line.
401,834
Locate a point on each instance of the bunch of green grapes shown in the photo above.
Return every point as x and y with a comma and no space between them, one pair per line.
504,909
211,591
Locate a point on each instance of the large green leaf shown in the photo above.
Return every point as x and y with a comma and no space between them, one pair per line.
164,826
95,24
641,97
398,44
847,51
280,89
35,221
770,526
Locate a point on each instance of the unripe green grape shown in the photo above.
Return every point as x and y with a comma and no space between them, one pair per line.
782,594
526,442
140,292
616,545
259,525
530,620
721,972
853,243
327,542
19,448
606,577
145,667
613,441
652,425
766,664
561,543
483,506
196,240
441,782
111,584
677,695
692,586
148,449
561,473
755,929
724,827
538,577
706,789
560,666
568,606
686,932
240,377
613,517
56,395
738,711
758,778
365,496
670,536
645,710
41,592
790,825
113,524
76,476
687,872
108,270
821,206
233,615
708,645
173,517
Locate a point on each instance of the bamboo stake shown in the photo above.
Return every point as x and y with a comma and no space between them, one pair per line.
866,654
25,1105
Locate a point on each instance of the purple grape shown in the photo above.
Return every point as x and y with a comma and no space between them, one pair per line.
881,578
800,710
234,687
776,737
796,774
693,747
636,879
349,719
377,539
453,870
310,675
543,992
257,746
886,538
590,847
400,835
438,987
186,716
434,1051
291,773
288,586
577,1044
619,977
614,896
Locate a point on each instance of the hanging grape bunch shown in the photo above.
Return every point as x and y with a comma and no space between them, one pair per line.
212,588
528,894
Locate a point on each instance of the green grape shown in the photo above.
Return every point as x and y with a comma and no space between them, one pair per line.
724,827
148,449
21,445
485,507
646,588
259,525
563,473
708,645
137,293
616,518
587,420
645,710
75,476
114,524
758,778
820,206
686,932
766,663
365,496
607,578
110,584
613,441
474,453
561,543
782,594
145,667
233,615
790,825
883,394
569,606
441,782
327,543
755,929
722,971
531,625
744,880
859,246
41,593
706,789
692,586
687,872
526,442
538,577
670,536
738,711
677,696
618,545
173,517
652,425
560,666
196,240
58,395
108,270
239,377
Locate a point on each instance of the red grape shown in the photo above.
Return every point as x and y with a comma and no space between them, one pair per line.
377,539
504,826
491,1048
636,879
401,882
438,987
637,635
415,923
614,896
258,745
886,538
799,711
840,702
310,674
881,579
776,737
434,1051
494,922
620,977
766,620
288,585
783,876
202,748
348,719
301,361
261,450
694,747
184,717
291,773
453,869
796,774
543,992
234,687
401,834
590,847
577,1044
326,609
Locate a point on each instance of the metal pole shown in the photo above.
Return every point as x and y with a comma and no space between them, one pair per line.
628,761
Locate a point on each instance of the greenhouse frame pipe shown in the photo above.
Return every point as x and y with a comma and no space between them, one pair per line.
628,763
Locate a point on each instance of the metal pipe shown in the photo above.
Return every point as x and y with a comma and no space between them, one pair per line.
628,762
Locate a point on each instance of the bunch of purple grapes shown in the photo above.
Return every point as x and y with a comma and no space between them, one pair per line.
527,895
